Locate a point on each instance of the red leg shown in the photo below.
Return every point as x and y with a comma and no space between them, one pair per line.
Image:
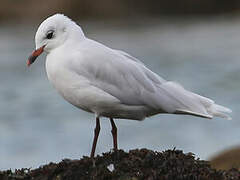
96,133
114,134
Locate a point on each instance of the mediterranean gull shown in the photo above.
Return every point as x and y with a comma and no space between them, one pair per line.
110,83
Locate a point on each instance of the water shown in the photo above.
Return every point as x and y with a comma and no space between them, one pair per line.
37,126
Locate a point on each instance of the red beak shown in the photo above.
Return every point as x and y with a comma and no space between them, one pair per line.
34,55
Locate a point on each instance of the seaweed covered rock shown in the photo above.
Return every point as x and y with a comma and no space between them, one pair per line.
138,164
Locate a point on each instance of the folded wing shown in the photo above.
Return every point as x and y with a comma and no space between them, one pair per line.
130,81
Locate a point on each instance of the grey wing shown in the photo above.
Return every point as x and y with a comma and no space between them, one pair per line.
153,76
129,56
128,80
121,76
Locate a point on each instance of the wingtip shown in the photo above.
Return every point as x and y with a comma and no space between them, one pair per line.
229,118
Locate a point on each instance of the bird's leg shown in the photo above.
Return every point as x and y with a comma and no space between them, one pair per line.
114,134
96,133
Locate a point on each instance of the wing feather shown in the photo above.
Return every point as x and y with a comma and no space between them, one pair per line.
118,74
127,79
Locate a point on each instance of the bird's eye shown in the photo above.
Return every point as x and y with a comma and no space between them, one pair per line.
49,35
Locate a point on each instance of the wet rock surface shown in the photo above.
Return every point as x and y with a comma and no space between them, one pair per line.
137,164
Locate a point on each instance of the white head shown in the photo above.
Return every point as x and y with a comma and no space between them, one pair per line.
53,33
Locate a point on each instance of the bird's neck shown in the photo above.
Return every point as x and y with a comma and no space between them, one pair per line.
77,33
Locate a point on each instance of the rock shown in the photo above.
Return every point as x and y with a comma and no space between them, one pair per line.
138,164
227,159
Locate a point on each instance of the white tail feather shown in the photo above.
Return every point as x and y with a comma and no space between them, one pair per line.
181,111
214,109
194,104
219,111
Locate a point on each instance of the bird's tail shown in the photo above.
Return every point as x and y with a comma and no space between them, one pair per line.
214,109
194,104
220,111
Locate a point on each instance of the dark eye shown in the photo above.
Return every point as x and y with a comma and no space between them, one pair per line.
49,35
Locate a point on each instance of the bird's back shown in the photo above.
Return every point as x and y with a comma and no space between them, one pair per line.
116,79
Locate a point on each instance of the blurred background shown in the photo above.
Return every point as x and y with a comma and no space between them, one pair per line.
195,43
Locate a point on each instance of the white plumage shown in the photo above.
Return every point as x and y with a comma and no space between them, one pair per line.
109,82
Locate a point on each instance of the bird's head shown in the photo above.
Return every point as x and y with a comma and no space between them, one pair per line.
53,33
